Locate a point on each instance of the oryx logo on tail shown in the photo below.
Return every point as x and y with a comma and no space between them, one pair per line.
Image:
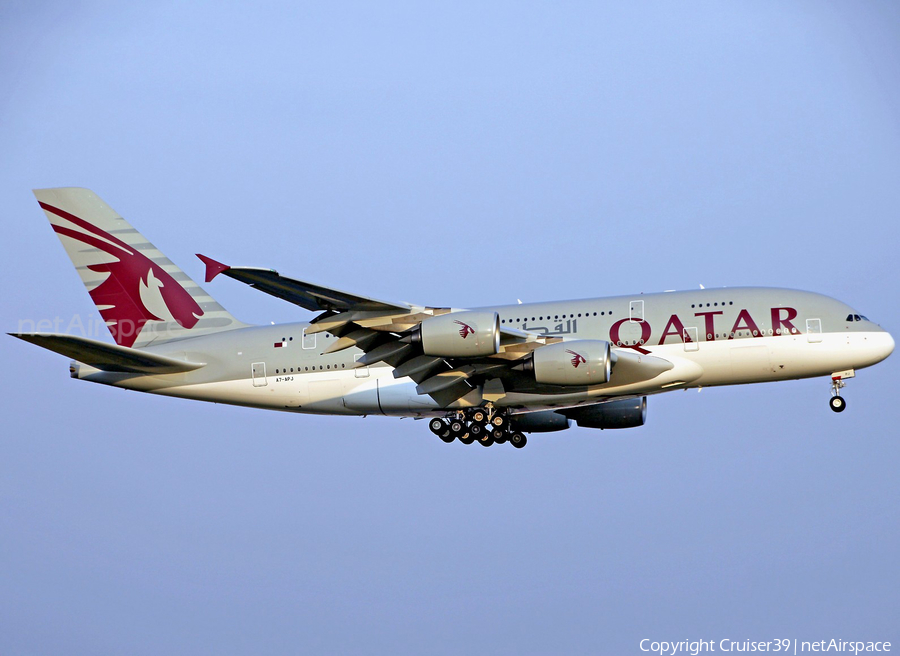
118,296
466,329
577,358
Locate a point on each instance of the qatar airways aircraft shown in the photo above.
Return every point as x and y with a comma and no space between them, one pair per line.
483,374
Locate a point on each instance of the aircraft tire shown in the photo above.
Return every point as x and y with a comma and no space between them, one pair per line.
437,426
518,440
467,438
837,403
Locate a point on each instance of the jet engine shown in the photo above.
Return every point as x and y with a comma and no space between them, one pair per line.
625,413
581,362
545,421
460,334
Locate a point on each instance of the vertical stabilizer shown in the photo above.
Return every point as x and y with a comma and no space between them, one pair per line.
141,295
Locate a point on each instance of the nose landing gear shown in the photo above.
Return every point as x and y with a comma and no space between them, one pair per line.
837,402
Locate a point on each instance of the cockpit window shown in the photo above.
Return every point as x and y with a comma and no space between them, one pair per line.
850,317
856,317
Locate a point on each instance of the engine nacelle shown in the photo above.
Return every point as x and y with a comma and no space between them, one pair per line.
626,413
460,334
581,362
545,421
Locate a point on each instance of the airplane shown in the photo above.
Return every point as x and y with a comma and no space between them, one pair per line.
488,375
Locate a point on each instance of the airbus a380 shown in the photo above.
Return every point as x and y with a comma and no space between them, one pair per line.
489,375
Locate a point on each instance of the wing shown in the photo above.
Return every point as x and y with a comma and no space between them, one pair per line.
386,332
304,294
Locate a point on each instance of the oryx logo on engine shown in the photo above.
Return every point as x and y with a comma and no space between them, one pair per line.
577,358
466,329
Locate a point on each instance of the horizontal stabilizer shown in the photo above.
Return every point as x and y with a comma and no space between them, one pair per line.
108,357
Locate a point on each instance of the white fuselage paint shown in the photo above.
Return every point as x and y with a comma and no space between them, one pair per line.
735,341
730,362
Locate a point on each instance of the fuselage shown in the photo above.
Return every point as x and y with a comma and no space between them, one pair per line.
711,337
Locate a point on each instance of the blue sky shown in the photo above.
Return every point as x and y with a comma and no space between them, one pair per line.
465,155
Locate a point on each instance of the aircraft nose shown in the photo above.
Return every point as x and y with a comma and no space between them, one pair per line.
887,346
872,347
881,345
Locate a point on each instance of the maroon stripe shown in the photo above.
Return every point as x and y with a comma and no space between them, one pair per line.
81,223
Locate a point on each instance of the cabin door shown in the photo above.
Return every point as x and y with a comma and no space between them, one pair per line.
258,373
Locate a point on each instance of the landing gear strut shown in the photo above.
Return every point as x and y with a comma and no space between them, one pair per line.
485,425
837,402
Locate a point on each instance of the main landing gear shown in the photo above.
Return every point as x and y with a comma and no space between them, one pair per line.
482,425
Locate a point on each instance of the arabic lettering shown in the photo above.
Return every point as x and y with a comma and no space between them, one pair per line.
564,328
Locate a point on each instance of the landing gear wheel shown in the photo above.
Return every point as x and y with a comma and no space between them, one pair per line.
486,439
437,426
518,440
837,403
457,427
479,416
477,430
498,421
467,438
499,435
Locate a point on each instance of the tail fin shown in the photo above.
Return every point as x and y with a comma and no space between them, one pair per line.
141,295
